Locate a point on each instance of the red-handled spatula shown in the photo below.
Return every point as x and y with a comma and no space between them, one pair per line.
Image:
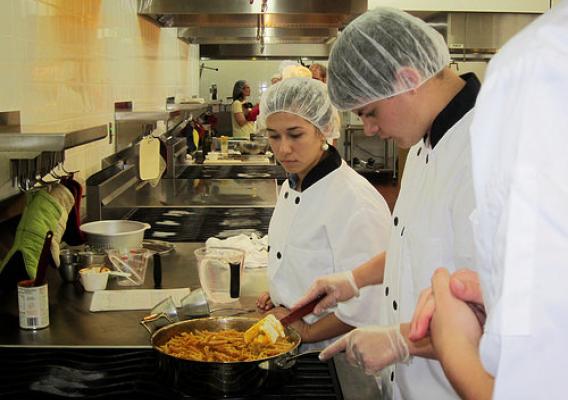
301,312
270,329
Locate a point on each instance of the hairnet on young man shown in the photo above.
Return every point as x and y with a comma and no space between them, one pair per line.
305,97
366,58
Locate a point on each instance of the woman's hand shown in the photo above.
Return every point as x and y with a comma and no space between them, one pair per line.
453,321
300,326
464,285
264,303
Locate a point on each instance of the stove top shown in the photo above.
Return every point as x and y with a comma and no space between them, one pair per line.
199,224
234,172
108,373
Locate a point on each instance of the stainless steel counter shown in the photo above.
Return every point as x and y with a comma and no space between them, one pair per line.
200,193
72,325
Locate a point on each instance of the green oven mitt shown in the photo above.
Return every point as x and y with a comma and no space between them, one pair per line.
42,213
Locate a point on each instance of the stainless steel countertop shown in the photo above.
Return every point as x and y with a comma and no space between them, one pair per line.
200,193
72,325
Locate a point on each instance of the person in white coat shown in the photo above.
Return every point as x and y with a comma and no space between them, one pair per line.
520,173
392,70
327,218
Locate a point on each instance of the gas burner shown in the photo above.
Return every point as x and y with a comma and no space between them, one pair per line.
253,175
200,224
240,223
235,232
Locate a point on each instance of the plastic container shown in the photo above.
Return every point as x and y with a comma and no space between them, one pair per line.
132,261
220,270
94,278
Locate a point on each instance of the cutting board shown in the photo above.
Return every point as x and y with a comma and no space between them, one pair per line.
149,159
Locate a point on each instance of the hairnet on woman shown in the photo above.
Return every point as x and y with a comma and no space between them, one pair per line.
321,206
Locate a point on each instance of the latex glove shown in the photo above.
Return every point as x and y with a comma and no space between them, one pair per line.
464,285
371,348
336,287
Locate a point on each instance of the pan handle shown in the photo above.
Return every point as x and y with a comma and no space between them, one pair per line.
149,321
285,361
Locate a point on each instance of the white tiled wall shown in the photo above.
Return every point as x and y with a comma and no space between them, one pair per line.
63,64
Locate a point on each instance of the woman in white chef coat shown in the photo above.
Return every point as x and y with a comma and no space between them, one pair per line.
327,218
392,70
521,229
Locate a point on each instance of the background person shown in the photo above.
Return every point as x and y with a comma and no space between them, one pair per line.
241,127
319,72
392,70
327,218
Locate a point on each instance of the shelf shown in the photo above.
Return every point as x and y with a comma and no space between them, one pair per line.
11,141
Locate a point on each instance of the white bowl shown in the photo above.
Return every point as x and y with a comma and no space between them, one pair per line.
93,279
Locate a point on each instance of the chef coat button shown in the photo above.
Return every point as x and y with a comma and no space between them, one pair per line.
387,291
427,159
392,376
402,231
268,248
394,305
395,221
297,201
279,255
419,151
286,195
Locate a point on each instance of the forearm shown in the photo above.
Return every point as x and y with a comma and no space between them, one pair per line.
326,328
462,365
371,272
240,118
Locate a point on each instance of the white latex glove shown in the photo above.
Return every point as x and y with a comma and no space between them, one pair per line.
371,349
336,287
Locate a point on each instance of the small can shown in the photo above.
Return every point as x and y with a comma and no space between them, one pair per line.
33,304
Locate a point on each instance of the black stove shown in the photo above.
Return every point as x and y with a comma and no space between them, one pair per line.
199,224
234,172
129,373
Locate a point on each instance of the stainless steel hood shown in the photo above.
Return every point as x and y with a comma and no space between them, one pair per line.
255,28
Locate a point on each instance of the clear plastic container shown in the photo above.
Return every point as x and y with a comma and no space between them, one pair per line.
220,270
131,261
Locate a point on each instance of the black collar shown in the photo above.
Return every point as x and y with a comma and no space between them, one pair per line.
326,165
456,108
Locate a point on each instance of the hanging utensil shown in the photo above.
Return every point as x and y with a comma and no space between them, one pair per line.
44,260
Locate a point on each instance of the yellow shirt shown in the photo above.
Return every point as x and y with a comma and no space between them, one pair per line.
246,129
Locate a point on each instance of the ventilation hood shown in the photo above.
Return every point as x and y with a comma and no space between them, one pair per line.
255,28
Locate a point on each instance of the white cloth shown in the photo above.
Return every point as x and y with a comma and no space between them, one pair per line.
520,169
255,248
335,225
431,230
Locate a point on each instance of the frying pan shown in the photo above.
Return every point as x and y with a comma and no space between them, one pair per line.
209,378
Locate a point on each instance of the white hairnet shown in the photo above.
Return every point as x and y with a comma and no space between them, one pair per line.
304,97
296,71
366,57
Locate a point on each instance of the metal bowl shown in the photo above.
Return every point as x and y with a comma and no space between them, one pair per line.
253,147
114,234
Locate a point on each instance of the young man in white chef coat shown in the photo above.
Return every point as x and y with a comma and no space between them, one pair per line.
392,70
520,172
